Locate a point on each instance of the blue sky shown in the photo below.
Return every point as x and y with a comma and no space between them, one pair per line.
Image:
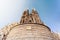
49,11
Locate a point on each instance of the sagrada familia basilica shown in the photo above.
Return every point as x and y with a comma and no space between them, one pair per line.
30,27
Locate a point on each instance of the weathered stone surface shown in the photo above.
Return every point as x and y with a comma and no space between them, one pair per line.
36,32
59,36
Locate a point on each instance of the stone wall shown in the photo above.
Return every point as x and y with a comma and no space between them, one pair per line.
34,32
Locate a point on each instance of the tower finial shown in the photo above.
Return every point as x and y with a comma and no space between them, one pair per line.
34,9
26,12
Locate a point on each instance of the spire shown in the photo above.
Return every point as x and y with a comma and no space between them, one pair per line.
36,17
34,11
24,17
26,12
30,18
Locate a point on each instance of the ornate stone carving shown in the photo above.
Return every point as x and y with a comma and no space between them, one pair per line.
30,18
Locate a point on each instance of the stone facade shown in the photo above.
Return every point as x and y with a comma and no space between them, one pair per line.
30,27
36,32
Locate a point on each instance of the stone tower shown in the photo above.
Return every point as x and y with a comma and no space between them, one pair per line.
30,27
30,18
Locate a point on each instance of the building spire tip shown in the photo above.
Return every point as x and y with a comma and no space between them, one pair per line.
26,9
34,9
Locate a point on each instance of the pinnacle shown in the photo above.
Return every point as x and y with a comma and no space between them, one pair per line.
30,18
34,9
26,12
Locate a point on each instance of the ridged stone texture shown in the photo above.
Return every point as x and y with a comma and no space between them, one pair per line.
36,32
